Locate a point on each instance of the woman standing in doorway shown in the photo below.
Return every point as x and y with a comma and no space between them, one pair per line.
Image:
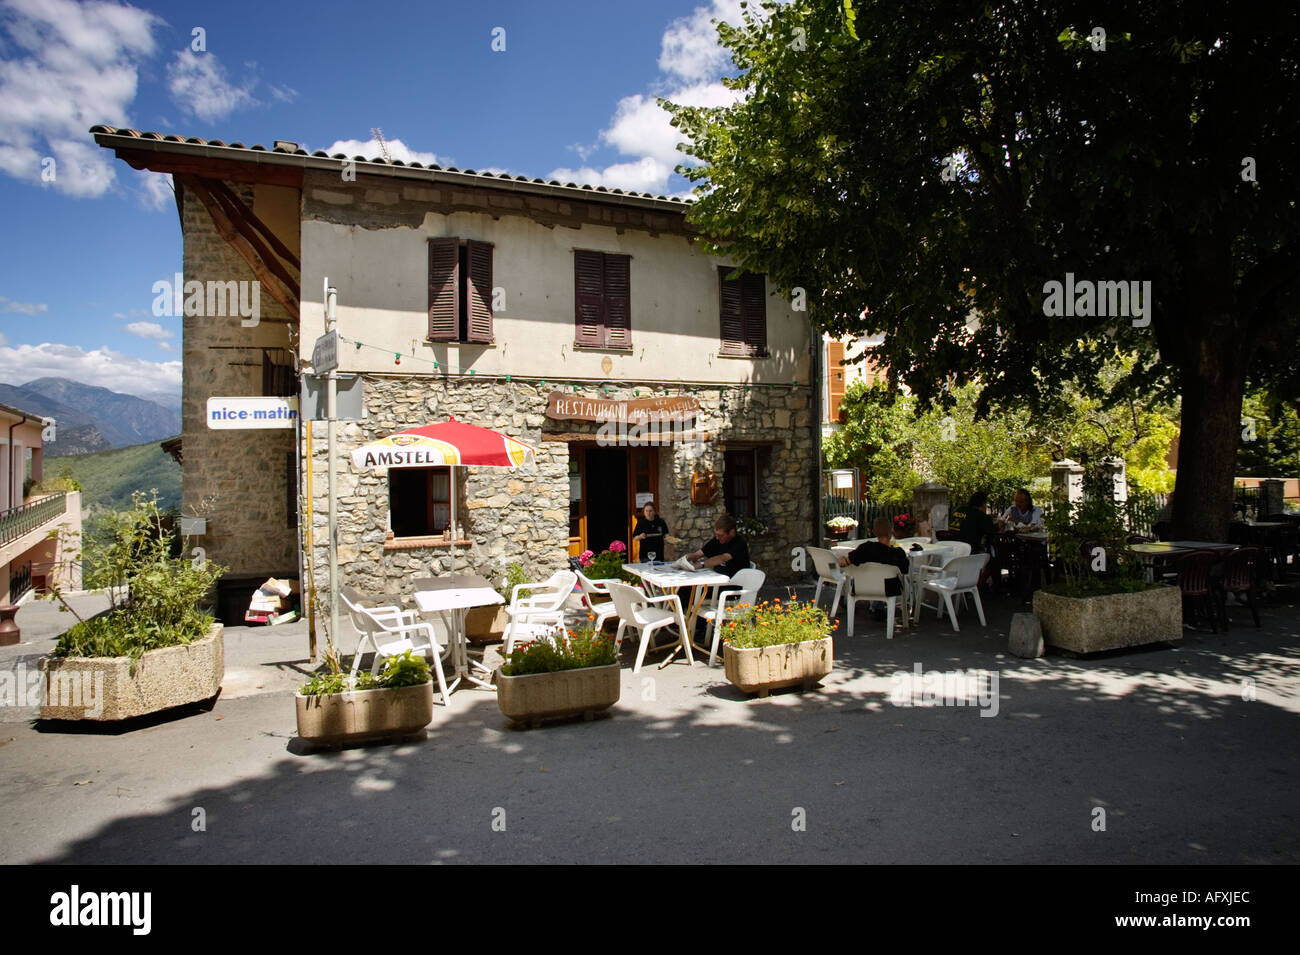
650,530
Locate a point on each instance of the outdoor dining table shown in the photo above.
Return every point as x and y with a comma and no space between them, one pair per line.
915,560
1152,551
665,578
452,596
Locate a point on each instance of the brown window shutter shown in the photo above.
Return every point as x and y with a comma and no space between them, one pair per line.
834,379
754,307
444,289
733,324
480,290
618,301
589,297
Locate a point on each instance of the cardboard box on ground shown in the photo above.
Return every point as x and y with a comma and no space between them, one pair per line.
276,601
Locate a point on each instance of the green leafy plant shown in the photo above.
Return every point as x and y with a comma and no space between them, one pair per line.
515,574
772,623
751,527
155,597
1089,542
405,669
607,565
562,650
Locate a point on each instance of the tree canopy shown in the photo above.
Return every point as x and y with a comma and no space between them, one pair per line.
929,169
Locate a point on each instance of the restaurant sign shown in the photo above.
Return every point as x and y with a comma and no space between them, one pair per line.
564,407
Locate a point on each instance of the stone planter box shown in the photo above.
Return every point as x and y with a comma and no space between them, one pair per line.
103,688
770,668
486,624
333,719
546,696
1093,624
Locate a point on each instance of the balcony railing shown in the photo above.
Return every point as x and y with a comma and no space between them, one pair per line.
17,521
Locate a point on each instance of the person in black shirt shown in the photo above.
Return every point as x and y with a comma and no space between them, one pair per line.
971,522
650,530
727,552
880,551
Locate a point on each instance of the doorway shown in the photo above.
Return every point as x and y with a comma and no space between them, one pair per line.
604,487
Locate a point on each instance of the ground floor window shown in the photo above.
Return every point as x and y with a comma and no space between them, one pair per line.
419,501
740,482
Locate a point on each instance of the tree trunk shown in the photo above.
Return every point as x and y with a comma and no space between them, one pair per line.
1207,449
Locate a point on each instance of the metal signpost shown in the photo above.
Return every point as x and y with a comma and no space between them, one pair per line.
326,351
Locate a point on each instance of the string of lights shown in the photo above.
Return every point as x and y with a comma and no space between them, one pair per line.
682,386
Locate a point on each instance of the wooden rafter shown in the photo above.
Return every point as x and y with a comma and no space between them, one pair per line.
229,199
239,215
283,292
266,173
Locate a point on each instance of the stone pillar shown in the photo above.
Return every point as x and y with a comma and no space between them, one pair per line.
1116,470
932,497
1271,500
1067,481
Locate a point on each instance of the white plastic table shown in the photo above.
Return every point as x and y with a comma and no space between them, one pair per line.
452,597
915,560
665,577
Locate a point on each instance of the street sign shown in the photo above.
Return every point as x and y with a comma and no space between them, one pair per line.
325,353
348,403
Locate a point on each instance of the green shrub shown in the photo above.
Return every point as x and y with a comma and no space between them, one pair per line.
772,623
1076,530
154,596
405,669
566,650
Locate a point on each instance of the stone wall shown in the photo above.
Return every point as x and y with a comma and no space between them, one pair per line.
235,479
522,514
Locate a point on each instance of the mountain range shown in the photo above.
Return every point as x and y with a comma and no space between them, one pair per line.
90,419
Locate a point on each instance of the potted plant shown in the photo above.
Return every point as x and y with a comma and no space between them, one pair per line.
397,703
1101,599
154,649
608,564
840,528
774,645
570,673
904,525
751,527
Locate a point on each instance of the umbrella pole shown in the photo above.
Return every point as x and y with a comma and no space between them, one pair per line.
452,469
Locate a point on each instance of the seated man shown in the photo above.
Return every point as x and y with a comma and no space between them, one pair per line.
727,552
1023,513
971,522
880,551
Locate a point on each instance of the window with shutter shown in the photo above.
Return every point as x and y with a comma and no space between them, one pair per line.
743,310
834,379
460,290
602,299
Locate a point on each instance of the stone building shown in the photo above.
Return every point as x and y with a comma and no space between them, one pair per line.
550,312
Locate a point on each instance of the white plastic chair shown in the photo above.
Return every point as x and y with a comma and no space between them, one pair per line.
537,615
635,610
750,582
380,623
828,573
591,589
869,584
960,577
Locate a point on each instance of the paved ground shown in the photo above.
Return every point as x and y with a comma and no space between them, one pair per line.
687,770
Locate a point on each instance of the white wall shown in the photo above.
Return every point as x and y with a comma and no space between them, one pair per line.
382,281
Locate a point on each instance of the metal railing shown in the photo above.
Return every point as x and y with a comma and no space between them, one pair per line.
20,581
17,521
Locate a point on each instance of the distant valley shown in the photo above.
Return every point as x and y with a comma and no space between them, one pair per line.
90,419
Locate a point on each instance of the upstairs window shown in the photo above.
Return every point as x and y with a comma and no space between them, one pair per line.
602,299
744,314
460,290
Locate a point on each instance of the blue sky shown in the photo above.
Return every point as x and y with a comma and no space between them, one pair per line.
572,96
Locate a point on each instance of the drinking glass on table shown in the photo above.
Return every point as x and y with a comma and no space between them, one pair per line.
651,556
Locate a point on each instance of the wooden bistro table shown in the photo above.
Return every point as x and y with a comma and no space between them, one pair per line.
665,578
1157,550
452,596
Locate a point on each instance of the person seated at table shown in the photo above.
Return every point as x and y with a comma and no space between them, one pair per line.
880,551
727,552
650,530
971,522
1023,513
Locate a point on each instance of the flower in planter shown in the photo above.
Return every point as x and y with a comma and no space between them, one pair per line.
904,525
617,547
561,650
772,623
752,526
841,523
585,558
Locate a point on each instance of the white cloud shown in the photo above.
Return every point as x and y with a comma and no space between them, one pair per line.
396,150
26,308
641,129
103,367
118,315
67,66
148,330
198,85
156,189
690,47
165,346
